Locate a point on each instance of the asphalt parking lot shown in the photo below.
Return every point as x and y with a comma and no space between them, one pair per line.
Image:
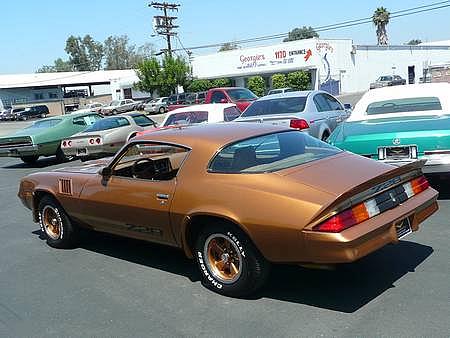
118,287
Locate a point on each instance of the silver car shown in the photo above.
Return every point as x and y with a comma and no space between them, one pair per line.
118,106
315,112
157,105
106,136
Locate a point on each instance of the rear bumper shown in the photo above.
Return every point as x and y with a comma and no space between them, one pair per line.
367,237
19,151
435,163
92,151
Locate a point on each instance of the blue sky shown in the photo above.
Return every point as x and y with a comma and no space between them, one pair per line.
33,33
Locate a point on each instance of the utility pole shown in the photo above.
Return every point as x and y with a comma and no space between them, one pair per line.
163,24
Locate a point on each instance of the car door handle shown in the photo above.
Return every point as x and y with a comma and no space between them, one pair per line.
161,196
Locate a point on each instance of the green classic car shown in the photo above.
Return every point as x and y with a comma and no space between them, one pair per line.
399,125
43,138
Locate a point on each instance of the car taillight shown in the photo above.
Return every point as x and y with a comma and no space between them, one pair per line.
64,143
91,141
69,143
370,208
299,124
98,140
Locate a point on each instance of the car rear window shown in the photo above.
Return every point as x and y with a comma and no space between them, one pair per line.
143,121
412,104
271,152
285,105
190,117
108,123
46,123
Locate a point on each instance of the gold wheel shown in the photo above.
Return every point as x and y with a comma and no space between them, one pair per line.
223,258
51,222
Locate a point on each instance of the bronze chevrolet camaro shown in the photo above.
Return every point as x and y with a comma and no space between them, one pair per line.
235,197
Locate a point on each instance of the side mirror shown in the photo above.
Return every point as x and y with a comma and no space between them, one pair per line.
106,172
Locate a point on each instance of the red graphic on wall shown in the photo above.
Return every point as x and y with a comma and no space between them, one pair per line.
308,55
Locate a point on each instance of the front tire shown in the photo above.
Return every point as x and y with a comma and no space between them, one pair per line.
229,263
55,224
162,110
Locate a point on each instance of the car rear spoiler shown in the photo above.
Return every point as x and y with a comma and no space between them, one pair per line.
372,187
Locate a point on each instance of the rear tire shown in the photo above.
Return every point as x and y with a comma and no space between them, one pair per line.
162,110
56,225
31,159
325,136
228,261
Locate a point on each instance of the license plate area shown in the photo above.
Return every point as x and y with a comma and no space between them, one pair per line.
81,151
397,153
403,227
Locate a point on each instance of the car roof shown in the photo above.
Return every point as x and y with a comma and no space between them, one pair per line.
210,107
303,93
439,90
210,137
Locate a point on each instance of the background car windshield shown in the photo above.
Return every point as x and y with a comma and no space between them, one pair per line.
143,121
187,118
114,103
108,123
45,123
241,94
386,78
287,105
404,105
270,153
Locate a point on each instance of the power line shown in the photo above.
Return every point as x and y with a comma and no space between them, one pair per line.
344,24
164,24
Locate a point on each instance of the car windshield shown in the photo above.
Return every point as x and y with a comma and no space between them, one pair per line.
241,94
386,78
412,104
271,152
114,103
46,123
286,105
108,123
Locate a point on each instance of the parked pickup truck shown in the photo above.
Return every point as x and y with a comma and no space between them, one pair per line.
242,97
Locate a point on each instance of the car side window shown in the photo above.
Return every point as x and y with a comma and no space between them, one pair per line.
91,119
231,113
321,103
150,161
217,97
333,103
80,121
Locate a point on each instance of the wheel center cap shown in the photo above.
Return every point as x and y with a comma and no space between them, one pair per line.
225,257
54,222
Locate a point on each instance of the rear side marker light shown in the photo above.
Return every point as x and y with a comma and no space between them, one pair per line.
366,210
299,124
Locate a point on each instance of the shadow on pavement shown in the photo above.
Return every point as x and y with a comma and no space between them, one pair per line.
441,184
345,289
350,286
41,163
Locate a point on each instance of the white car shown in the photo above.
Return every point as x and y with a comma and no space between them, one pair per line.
91,107
202,113
157,105
118,106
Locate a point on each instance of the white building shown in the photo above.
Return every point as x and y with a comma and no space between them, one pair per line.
336,63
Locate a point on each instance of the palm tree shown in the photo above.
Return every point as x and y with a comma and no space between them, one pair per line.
380,19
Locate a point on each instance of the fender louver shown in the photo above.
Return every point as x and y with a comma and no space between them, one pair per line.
65,186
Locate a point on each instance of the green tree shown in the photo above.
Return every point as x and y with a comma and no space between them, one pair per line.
59,65
228,46
299,80
149,73
279,81
199,85
414,42
121,54
85,54
301,33
380,19
257,85
223,82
